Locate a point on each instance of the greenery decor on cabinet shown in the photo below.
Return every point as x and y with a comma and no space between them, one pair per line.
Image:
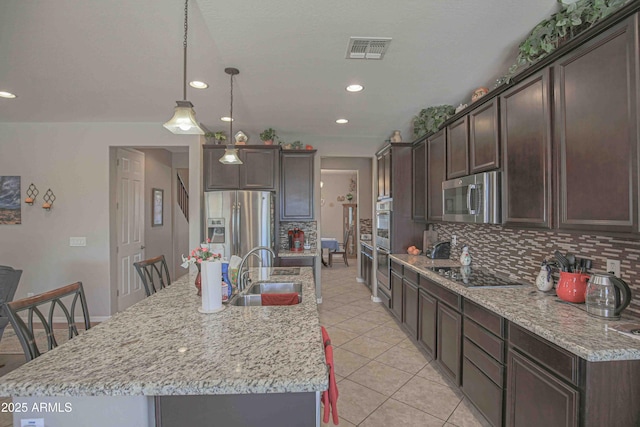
430,119
269,136
548,35
218,136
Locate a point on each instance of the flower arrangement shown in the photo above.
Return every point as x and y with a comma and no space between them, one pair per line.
199,254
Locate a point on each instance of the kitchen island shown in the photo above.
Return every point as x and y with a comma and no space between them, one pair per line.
160,352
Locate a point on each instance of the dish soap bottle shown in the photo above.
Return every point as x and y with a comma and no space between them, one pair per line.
465,258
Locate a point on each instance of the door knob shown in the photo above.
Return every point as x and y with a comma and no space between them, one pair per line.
142,247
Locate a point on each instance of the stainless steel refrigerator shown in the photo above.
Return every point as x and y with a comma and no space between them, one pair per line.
237,221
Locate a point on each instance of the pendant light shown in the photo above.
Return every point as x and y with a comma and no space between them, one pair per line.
230,156
184,121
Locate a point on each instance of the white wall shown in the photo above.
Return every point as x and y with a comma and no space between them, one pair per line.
158,174
335,185
73,160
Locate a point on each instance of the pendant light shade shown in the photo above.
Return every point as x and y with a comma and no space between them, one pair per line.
184,121
230,156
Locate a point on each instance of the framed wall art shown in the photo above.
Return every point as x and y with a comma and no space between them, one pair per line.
157,211
10,200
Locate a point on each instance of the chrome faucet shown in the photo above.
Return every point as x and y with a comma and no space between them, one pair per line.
243,276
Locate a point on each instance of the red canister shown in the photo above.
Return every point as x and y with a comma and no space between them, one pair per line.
572,287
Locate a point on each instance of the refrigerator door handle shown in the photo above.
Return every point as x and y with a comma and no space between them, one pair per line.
239,232
233,229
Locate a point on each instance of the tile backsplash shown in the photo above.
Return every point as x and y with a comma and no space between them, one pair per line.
310,229
519,252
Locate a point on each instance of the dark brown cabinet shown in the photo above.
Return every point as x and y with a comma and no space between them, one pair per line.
458,148
483,371
396,294
596,125
537,398
258,170
427,319
484,141
436,174
410,305
296,185
525,120
366,264
449,341
419,199
385,180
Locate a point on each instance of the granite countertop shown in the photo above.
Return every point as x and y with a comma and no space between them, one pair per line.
305,253
164,346
567,325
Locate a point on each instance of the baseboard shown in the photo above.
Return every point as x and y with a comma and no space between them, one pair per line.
375,299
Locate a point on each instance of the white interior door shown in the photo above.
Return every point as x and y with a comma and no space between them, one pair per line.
130,225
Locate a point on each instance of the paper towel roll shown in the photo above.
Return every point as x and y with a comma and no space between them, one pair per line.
211,286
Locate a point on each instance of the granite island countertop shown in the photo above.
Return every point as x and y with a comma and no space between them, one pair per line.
564,324
164,346
306,253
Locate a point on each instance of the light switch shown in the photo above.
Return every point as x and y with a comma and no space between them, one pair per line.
77,241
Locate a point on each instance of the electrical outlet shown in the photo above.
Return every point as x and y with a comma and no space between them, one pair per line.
29,294
454,240
77,241
613,266
32,422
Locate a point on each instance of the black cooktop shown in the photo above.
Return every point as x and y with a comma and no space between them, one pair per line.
476,277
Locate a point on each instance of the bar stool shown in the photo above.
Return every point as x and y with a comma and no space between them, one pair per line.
31,305
153,271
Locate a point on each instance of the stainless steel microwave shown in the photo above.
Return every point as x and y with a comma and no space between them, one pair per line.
473,199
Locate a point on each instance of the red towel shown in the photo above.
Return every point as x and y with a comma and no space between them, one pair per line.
330,396
280,299
325,337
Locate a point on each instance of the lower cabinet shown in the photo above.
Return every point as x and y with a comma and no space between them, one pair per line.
449,341
396,294
366,265
410,307
427,320
538,398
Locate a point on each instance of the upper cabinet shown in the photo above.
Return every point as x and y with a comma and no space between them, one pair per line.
419,157
484,141
596,130
384,172
525,119
297,184
258,171
436,174
458,148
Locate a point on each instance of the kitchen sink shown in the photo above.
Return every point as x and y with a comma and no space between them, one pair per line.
275,288
246,300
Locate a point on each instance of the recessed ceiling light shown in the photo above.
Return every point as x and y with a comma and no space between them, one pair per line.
342,121
198,85
226,119
354,88
7,95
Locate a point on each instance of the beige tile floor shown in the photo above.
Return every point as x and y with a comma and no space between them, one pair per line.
383,379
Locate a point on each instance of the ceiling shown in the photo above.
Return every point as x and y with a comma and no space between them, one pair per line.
121,61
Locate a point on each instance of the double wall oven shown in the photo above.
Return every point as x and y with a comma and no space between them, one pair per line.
384,210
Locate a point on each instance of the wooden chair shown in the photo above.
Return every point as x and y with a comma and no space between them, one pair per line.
343,252
153,271
9,279
31,305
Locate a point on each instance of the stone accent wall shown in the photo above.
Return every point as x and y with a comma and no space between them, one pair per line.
309,228
520,252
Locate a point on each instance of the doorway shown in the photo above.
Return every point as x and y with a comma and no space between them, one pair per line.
341,167
142,177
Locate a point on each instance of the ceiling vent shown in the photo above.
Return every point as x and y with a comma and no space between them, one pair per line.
367,47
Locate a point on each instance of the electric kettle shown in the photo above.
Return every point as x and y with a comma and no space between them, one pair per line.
607,295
